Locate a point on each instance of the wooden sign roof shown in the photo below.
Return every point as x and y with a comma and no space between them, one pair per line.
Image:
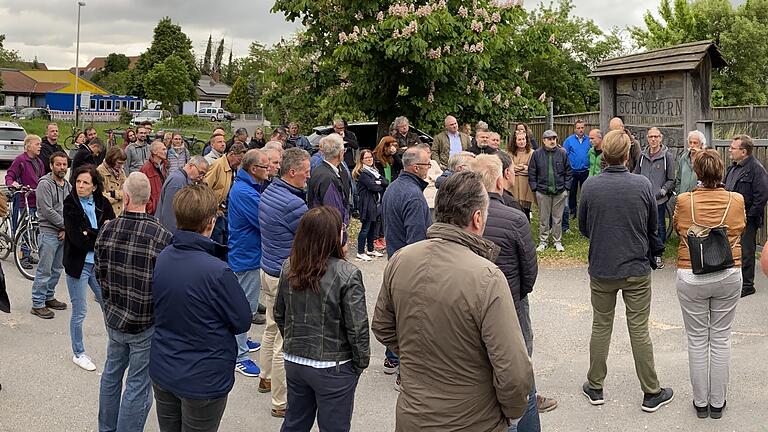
683,57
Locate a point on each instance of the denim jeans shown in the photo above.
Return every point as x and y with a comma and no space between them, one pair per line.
78,296
392,356
662,229
530,421
368,231
51,251
125,351
220,230
250,281
15,222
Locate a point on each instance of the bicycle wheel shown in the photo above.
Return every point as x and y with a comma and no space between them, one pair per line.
196,147
6,245
25,242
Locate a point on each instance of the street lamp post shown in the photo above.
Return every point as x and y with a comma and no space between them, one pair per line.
80,5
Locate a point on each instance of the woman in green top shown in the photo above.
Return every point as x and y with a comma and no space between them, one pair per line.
686,178
387,160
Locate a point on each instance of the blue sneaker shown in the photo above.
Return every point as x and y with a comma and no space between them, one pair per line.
253,346
247,368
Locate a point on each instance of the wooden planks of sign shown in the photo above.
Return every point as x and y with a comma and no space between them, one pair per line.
651,99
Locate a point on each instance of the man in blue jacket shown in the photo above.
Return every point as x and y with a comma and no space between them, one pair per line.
282,206
577,148
245,243
198,311
406,216
192,172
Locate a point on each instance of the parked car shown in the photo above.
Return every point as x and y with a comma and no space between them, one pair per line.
366,132
11,140
152,116
7,110
215,114
32,113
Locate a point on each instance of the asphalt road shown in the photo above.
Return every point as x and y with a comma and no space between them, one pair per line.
44,391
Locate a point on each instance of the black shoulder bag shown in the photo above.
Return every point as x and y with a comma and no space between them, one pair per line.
708,246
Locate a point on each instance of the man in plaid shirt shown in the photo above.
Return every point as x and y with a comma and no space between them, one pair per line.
125,255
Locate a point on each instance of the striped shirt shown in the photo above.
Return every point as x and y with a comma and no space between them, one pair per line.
315,364
125,252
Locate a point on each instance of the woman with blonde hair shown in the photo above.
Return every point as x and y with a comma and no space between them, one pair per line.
708,299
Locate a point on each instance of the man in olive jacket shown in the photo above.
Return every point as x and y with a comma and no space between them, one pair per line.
449,142
443,299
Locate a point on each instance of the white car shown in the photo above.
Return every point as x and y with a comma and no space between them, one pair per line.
11,140
152,116
214,113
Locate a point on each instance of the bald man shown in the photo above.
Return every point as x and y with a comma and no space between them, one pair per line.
634,151
449,142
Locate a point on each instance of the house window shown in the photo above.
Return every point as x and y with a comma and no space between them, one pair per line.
93,104
134,105
101,104
108,106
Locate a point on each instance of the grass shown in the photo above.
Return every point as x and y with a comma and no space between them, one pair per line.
577,247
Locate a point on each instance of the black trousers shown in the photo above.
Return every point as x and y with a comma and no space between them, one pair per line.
748,246
175,414
329,393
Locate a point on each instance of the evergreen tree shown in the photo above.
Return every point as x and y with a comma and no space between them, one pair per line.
206,69
219,56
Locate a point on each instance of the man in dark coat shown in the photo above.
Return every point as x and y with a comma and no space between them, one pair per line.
50,145
747,176
329,184
406,138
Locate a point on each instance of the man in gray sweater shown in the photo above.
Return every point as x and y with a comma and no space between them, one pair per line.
51,191
618,214
137,153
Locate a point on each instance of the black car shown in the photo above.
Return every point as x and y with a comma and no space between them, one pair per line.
366,132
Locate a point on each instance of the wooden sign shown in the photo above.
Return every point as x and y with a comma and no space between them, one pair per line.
650,100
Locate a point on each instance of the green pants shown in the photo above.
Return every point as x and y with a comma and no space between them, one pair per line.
636,292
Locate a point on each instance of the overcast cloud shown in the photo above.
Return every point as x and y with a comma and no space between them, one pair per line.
47,28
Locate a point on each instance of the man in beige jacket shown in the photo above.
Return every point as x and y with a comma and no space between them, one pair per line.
443,299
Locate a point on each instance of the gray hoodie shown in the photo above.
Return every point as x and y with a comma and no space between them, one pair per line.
50,204
660,170
135,155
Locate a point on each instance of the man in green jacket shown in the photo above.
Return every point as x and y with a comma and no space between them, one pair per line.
449,142
686,179
595,152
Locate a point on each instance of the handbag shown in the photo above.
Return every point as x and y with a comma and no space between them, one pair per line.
708,246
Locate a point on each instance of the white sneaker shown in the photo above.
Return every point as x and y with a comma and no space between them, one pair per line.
541,247
364,257
84,362
375,254
559,247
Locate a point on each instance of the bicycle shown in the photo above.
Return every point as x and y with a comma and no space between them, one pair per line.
194,145
25,239
69,142
6,239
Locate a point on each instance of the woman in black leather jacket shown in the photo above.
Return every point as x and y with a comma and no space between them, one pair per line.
321,313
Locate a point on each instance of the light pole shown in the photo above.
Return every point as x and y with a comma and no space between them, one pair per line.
80,5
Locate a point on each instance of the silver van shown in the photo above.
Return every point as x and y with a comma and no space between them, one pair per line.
11,141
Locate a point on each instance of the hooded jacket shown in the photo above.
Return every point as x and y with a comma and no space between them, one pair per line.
660,170
441,300
135,155
50,204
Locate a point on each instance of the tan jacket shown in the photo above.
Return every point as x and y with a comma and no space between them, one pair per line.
219,178
709,206
441,147
447,311
113,187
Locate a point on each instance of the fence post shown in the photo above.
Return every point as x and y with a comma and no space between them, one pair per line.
550,113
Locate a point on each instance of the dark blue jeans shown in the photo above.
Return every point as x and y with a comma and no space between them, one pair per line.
368,231
530,421
662,229
326,393
220,231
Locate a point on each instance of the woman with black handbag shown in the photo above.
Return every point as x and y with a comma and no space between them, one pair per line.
710,221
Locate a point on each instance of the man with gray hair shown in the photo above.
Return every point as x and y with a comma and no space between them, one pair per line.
351,144
125,254
405,137
156,170
192,172
445,308
244,256
449,142
241,136
685,178
329,184
406,216
456,163
296,140
510,230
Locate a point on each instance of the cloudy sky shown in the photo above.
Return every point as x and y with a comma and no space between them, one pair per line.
47,28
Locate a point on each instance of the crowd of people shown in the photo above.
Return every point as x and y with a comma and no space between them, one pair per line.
261,227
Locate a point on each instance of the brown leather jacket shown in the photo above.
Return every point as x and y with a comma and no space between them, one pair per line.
448,312
709,207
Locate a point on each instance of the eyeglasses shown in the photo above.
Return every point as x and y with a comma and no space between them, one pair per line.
424,164
654,136
735,148
262,166
551,138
